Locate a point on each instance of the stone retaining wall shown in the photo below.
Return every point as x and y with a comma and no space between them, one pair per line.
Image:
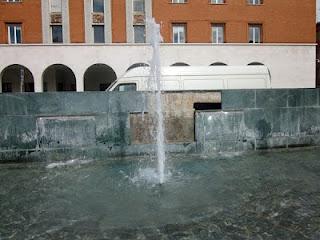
44,126
261,119
113,123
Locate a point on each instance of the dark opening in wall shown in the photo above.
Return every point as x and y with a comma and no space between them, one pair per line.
207,106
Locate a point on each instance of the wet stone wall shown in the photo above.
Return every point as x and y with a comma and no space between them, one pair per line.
261,119
53,125
41,126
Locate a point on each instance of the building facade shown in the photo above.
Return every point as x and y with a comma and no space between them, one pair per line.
99,26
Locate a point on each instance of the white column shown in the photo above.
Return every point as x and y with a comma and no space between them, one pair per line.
37,78
108,21
45,21
88,21
148,6
65,21
79,80
129,21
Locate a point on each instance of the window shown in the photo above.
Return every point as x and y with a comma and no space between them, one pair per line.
179,1
56,31
55,6
6,87
217,1
218,33
98,6
138,5
255,33
255,2
14,33
139,34
179,33
128,87
98,32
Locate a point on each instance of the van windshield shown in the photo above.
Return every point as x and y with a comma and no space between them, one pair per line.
110,86
126,87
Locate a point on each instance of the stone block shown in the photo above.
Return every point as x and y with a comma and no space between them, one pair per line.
310,97
237,99
177,129
63,132
265,123
17,132
13,104
271,98
127,102
310,122
113,129
294,119
221,126
295,97
301,141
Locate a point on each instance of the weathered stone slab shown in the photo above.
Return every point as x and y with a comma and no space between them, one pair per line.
113,129
271,98
17,132
177,129
62,132
238,99
13,104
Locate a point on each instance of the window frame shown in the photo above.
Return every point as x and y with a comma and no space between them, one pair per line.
13,1
184,27
134,33
92,2
255,2
223,25
260,35
179,1
117,88
138,11
51,28
104,37
16,26
214,2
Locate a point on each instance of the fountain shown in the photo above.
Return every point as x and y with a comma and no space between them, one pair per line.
155,77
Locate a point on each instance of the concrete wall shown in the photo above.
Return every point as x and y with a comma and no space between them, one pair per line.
291,66
261,119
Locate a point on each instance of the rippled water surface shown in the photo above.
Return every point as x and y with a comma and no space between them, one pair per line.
262,195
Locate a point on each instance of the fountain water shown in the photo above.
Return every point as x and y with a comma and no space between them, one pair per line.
155,76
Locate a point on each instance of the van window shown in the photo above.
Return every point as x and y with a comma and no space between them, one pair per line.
126,87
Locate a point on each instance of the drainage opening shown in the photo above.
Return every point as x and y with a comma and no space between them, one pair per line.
207,106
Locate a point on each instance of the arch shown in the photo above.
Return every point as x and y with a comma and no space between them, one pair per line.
98,77
58,78
179,64
255,64
218,64
16,78
137,65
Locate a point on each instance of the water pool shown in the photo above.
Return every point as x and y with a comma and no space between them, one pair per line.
261,195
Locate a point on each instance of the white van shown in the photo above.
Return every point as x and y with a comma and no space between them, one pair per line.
188,78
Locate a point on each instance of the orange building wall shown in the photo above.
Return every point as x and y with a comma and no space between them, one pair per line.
119,21
283,21
28,13
76,19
